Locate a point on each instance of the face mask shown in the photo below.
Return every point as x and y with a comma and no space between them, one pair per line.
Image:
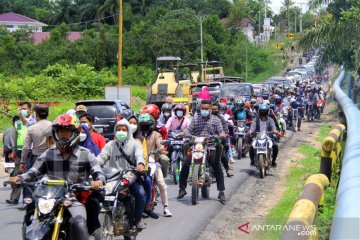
121,136
166,114
82,137
133,127
215,112
205,113
86,124
179,113
24,113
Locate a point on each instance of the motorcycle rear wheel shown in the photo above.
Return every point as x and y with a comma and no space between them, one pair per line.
195,185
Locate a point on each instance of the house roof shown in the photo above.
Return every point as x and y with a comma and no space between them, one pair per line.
245,22
12,18
39,37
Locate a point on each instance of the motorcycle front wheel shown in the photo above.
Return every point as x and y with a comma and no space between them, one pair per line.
239,148
262,165
106,224
195,185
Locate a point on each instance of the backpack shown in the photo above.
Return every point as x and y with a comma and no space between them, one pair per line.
241,115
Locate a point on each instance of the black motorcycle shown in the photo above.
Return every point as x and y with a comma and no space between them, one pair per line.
47,217
175,144
118,211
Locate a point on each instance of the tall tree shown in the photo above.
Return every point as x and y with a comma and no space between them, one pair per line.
287,4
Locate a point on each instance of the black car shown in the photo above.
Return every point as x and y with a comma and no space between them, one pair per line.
107,114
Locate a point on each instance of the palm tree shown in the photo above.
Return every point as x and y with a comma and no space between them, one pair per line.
64,11
288,4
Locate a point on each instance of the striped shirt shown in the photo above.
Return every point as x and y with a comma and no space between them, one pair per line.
201,126
77,169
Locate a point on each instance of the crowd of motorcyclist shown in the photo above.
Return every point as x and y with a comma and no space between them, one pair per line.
70,148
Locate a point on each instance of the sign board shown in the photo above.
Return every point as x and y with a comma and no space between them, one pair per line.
118,93
291,36
277,46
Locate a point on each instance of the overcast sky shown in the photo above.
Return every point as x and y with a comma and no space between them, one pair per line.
276,4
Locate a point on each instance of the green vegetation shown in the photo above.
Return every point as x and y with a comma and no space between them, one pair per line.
295,182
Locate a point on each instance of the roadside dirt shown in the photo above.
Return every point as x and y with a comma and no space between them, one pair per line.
254,201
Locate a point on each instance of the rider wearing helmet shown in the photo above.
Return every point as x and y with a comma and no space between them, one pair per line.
166,112
178,122
153,143
264,123
66,130
241,112
154,111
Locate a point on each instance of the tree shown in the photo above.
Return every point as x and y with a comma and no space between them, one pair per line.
287,4
65,11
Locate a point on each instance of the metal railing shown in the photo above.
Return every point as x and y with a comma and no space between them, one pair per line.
346,220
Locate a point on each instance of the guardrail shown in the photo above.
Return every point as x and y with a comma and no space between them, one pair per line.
300,222
346,220
331,150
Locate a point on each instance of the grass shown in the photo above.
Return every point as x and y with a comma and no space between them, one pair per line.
295,182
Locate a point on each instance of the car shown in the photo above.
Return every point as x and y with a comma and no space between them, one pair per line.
260,90
106,113
237,90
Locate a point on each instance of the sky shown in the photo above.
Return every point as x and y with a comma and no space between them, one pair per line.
276,4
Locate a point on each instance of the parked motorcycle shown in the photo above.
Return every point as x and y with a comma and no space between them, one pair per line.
49,218
199,175
262,145
242,145
117,213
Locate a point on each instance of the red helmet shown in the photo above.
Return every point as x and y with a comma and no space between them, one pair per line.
180,106
151,109
68,122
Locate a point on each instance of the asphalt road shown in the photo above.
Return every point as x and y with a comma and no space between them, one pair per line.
187,221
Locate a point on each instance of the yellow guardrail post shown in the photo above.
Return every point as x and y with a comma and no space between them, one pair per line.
331,150
300,221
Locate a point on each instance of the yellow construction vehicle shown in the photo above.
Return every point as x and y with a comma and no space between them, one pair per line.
167,81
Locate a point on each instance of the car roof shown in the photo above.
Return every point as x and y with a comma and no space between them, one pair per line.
99,101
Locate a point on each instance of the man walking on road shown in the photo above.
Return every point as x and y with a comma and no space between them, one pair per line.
36,141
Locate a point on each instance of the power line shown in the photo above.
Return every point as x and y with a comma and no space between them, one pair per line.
82,22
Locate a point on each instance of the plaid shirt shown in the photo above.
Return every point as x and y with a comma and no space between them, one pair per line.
201,126
77,169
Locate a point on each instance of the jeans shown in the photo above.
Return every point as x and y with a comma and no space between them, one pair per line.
138,191
147,188
214,161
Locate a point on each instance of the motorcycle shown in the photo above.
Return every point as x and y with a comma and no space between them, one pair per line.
311,112
118,209
242,145
199,175
46,216
262,145
294,119
321,104
176,145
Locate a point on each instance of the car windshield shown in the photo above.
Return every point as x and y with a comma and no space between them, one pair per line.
102,111
235,90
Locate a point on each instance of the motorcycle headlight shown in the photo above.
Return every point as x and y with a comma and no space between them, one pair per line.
109,187
46,205
198,155
199,147
261,143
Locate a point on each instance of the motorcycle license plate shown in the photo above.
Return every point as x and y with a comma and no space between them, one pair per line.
262,150
110,198
177,142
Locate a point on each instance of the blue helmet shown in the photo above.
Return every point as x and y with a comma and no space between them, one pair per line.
264,110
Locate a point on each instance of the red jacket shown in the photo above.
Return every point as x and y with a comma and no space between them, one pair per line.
98,139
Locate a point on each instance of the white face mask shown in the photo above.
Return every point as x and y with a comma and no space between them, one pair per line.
179,113
166,114
133,127
82,137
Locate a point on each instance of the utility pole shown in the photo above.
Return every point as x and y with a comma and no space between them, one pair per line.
246,66
201,40
295,22
301,4
265,9
120,44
